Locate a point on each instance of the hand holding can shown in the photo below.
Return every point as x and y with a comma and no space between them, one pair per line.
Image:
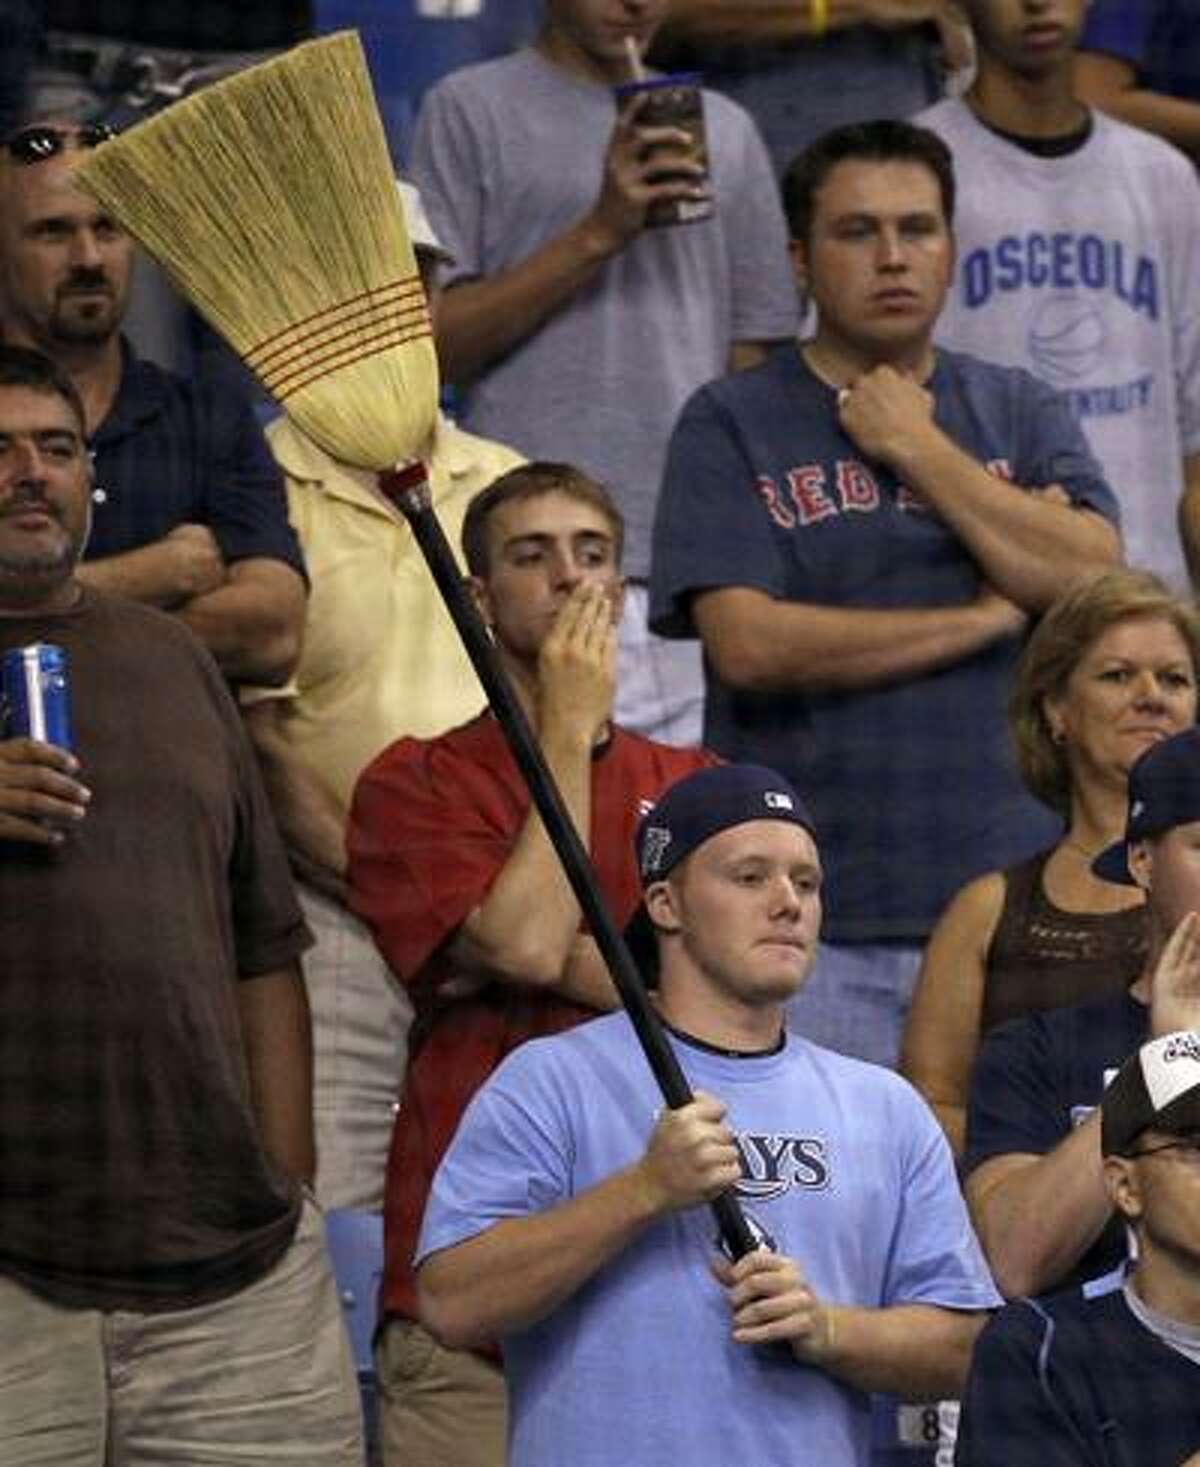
36,694
40,800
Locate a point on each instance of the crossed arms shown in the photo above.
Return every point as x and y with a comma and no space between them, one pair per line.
1028,546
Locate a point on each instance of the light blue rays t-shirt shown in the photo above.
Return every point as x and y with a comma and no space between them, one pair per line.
843,1166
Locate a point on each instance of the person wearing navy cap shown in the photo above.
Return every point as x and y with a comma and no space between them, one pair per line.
1164,792
1112,1379
580,1200
1034,1175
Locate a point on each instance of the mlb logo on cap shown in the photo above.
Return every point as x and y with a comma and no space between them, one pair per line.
692,811
705,803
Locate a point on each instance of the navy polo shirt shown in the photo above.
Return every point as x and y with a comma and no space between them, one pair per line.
1076,1382
174,451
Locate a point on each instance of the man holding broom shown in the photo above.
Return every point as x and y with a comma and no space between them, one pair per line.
579,1201
165,1294
469,904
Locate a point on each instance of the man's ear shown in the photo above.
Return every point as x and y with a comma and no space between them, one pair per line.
1140,860
662,907
1123,1185
479,594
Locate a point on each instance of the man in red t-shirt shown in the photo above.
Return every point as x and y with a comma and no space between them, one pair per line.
463,890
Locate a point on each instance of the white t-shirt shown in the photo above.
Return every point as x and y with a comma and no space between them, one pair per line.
1085,269
510,154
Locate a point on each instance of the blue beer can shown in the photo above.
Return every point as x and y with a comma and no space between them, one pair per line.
37,694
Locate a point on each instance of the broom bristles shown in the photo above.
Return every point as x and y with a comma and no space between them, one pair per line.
270,199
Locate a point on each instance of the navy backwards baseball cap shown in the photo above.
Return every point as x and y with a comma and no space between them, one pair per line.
1157,1087
692,811
1164,791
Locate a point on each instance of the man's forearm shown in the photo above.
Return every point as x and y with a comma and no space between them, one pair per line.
149,574
585,976
767,22
480,320
277,1040
915,1351
1036,1216
1172,118
531,1264
310,816
252,624
760,644
1111,84
510,937
1028,547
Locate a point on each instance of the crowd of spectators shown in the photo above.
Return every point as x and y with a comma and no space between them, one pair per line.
838,541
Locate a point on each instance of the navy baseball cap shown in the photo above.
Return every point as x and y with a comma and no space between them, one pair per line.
692,811
1164,791
1157,1087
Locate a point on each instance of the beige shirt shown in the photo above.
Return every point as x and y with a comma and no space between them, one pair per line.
381,657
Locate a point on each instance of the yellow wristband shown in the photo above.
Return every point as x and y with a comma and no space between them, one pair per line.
818,18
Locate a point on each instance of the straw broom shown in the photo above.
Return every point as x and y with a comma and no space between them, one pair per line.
270,200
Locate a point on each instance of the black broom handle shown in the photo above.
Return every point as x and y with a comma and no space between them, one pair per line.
408,489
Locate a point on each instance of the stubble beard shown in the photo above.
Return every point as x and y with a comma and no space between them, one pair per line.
28,577
28,580
70,330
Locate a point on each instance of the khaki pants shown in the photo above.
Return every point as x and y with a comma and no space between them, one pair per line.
360,1019
263,1377
438,1408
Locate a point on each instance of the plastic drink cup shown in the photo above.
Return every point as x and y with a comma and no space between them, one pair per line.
673,101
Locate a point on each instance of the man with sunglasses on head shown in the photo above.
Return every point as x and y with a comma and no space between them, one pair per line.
1113,1380
189,512
122,61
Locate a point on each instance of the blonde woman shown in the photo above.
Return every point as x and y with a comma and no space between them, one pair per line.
1111,668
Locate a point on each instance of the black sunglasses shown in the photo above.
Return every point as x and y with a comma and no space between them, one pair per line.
36,144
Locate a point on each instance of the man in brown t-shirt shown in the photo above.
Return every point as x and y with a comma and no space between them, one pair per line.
164,1290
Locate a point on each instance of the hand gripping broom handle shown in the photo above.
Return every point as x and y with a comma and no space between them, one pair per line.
408,489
